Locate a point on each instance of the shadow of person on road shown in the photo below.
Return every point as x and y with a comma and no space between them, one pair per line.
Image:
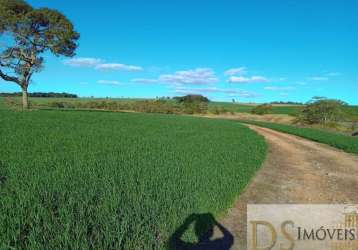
204,229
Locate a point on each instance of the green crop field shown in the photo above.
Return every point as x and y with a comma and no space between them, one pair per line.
103,180
2,104
346,143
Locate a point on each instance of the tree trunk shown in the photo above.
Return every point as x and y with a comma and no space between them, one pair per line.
25,99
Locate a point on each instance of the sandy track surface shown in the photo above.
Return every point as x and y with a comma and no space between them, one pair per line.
295,171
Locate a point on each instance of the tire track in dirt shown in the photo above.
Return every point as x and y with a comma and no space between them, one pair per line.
296,170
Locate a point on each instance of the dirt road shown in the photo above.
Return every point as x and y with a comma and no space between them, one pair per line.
295,171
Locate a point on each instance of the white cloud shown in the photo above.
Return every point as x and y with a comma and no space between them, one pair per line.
318,78
235,71
242,79
143,80
199,76
195,76
108,82
275,88
185,90
82,62
118,67
100,65
300,83
229,92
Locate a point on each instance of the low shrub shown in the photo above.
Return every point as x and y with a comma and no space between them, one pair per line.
195,108
217,110
262,109
323,111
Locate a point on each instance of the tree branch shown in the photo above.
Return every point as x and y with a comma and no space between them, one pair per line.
9,78
9,54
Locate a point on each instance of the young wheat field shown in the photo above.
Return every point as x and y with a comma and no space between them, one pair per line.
102,180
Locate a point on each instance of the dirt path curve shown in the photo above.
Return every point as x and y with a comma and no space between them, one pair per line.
295,171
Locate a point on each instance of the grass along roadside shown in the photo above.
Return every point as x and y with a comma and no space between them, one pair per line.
346,143
106,180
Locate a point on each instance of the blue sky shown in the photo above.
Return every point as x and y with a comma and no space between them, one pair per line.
251,51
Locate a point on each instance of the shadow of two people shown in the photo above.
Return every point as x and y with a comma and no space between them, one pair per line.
204,229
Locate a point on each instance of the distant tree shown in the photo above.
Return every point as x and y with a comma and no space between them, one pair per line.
262,109
288,102
31,32
191,99
321,110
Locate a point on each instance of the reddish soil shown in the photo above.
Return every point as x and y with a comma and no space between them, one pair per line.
296,171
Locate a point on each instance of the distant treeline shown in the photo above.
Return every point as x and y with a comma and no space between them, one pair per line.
41,94
290,103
